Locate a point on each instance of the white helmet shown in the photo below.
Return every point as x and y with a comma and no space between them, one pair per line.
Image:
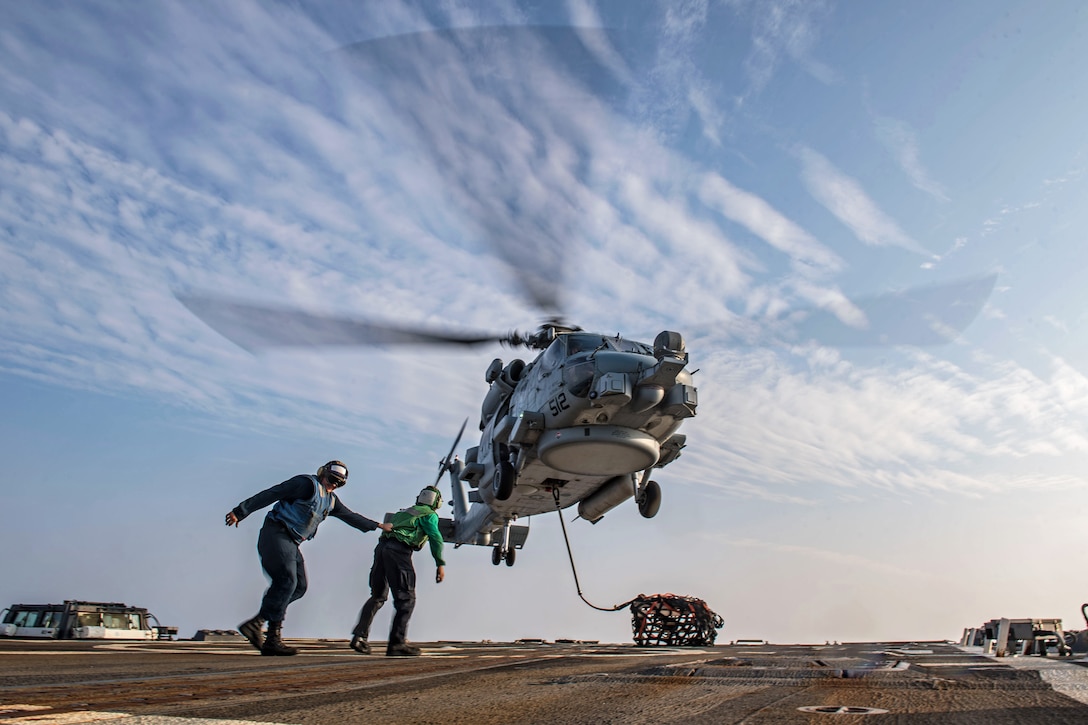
430,496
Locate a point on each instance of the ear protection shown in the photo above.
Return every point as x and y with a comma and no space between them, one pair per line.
334,469
430,496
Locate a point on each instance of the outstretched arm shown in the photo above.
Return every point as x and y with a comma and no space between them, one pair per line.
290,490
358,521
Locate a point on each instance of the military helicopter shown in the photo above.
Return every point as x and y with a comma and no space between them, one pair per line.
586,422
590,418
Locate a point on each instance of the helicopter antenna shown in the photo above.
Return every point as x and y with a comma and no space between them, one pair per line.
444,464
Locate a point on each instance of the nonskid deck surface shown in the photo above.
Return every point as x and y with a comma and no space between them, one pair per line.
176,683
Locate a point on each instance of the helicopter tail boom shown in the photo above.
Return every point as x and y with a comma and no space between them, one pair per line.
459,499
475,523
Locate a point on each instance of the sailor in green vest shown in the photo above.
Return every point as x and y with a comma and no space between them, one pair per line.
393,571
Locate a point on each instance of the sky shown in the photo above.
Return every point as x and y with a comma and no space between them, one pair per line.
710,167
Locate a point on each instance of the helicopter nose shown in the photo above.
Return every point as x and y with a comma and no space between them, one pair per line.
664,373
646,397
616,387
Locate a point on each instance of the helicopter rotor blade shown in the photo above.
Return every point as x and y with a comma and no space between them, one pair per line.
520,205
253,327
920,316
530,226
444,464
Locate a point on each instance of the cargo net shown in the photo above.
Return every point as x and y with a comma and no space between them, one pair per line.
673,621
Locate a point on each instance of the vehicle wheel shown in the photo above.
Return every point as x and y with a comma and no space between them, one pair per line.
505,479
510,557
651,500
496,555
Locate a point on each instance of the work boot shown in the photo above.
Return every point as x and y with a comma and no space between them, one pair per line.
402,650
360,645
273,645
253,630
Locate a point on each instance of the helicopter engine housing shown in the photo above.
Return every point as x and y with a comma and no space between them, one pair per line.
502,385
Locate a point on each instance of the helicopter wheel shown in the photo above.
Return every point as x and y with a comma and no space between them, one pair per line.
506,478
650,501
496,555
510,557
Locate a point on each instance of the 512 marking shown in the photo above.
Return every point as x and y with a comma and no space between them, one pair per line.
558,404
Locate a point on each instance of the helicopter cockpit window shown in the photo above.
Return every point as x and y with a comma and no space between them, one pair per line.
578,377
631,346
585,343
555,354
589,343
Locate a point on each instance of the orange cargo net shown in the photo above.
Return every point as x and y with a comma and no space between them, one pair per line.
674,621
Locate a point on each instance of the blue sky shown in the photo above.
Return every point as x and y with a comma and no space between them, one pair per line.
728,161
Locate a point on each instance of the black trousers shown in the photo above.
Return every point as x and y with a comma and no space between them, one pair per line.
282,561
392,571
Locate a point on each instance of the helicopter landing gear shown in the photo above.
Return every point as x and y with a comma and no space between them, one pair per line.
504,552
498,556
649,500
505,478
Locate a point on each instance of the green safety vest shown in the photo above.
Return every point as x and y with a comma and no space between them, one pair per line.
405,529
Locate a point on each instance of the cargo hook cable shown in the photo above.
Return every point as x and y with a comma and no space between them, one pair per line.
573,569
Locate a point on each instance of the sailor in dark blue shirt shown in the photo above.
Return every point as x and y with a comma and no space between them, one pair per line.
302,503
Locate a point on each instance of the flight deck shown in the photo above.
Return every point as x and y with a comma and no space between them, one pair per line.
54,682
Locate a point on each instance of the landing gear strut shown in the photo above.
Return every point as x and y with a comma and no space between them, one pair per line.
648,496
504,552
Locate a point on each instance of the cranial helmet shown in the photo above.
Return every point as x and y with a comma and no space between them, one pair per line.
335,471
430,496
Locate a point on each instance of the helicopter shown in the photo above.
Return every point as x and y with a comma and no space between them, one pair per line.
587,421
584,423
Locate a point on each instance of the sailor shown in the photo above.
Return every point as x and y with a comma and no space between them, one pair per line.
392,570
302,503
